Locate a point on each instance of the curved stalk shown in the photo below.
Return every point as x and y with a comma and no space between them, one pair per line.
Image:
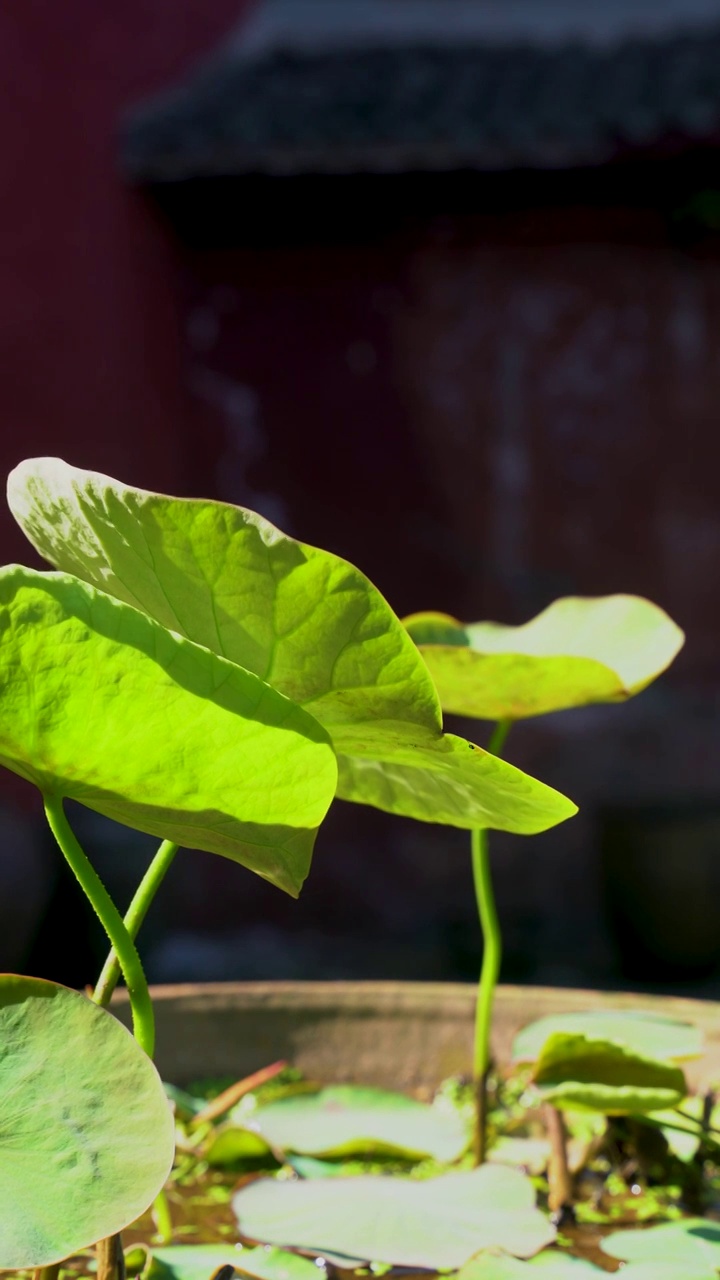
111,920
134,917
492,955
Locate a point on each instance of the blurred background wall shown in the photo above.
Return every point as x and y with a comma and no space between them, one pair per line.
434,284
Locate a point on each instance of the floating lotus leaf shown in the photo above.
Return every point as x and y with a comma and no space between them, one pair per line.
303,620
86,1132
103,705
551,1264
693,1244
200,1261
647,1034
574,1071
439,1223
347,1120
576,652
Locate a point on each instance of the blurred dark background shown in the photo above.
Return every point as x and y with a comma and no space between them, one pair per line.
434,284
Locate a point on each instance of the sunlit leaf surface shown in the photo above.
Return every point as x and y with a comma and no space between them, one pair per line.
303,620
647,1034
86,1132
574,1071
439,1223
348,1120
103,705
693,1243
576,652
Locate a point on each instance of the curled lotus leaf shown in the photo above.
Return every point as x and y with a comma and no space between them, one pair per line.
600,1075
576,652
648,1034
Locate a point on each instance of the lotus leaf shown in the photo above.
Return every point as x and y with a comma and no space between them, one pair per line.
86,1132
576,652
303,620
439,1223
198,1262
647,1034
552,1265
575,1071
693,1243
347,1120
105,706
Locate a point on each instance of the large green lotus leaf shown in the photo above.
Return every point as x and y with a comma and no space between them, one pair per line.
86,1132
438,1224
575,1071
577,651
647,1034
303,620
348,1120
101,704
446,780
198,1262
693,1243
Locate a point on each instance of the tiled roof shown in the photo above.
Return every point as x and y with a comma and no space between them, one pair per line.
409,104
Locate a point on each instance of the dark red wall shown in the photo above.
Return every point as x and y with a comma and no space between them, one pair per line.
89,332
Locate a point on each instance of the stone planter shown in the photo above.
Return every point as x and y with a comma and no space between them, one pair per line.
393,1034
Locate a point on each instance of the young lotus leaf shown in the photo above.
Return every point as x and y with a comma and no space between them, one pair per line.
303,620
100,704
574,1071
438,1224
86,1133
198,1262
347,1120
646,1034
576,652
693,1243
